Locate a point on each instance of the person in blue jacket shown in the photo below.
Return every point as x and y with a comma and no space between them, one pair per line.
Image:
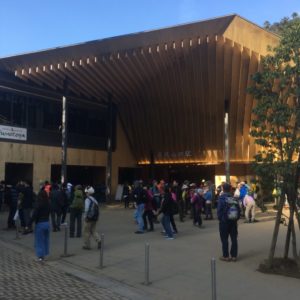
228,214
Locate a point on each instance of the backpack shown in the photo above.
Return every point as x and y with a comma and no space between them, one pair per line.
232,209
93,211
78,200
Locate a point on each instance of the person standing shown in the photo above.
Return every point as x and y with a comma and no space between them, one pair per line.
249,204
12,202
207,195
139,198
228,214
91,215
40,216
56,199
76,209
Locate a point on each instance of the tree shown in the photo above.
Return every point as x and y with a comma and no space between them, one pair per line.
276,124
278,27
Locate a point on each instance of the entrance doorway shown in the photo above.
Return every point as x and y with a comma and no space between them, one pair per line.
15,172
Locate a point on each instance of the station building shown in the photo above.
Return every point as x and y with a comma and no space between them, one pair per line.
149,105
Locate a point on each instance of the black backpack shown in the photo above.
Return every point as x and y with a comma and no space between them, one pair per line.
93,211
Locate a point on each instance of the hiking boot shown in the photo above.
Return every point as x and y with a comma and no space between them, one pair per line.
225,258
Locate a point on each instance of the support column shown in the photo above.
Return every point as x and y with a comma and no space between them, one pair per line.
109,149
64,135
226,141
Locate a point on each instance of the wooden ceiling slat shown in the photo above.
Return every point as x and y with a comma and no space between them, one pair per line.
106,84
220,97
205,93
245,61
164,103
75,78
235,81
154,92
212,104
145,100
249,142
86,79
90,76
195,65
187,85
122,69
169,81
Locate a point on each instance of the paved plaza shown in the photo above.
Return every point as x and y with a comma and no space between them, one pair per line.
179,269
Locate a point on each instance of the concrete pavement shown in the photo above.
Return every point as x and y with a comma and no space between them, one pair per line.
179,269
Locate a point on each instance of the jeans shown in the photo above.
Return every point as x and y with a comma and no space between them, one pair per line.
165,221
229,228
139,216
41,239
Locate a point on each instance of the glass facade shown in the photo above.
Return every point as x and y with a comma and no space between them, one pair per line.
87,127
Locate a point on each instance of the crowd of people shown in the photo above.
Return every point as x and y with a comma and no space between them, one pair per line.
53,201
190,200
187,200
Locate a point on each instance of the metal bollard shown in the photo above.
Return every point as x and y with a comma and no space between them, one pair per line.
101,251
147,250
66,240
213,279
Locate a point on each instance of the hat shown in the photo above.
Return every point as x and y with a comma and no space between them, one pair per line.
89,190
184,187
199,191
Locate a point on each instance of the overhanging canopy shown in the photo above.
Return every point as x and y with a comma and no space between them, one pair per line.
169,85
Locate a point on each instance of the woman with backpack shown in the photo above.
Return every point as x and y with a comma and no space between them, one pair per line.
76,209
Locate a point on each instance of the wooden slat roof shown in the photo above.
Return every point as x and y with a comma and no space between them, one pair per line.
169,85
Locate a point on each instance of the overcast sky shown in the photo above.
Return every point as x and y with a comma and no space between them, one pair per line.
31,25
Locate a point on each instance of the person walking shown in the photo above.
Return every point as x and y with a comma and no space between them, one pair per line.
76,209
148,210
228,214
166,209
40,216
91,216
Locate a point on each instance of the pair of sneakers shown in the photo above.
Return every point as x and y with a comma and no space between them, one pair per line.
228,259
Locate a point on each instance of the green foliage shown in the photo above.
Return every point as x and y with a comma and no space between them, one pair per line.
276,88
278,27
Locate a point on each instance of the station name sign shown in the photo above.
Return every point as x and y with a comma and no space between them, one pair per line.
13,133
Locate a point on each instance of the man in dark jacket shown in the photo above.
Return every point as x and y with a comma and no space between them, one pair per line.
228,215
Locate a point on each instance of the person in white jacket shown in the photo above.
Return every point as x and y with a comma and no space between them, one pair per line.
249,204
